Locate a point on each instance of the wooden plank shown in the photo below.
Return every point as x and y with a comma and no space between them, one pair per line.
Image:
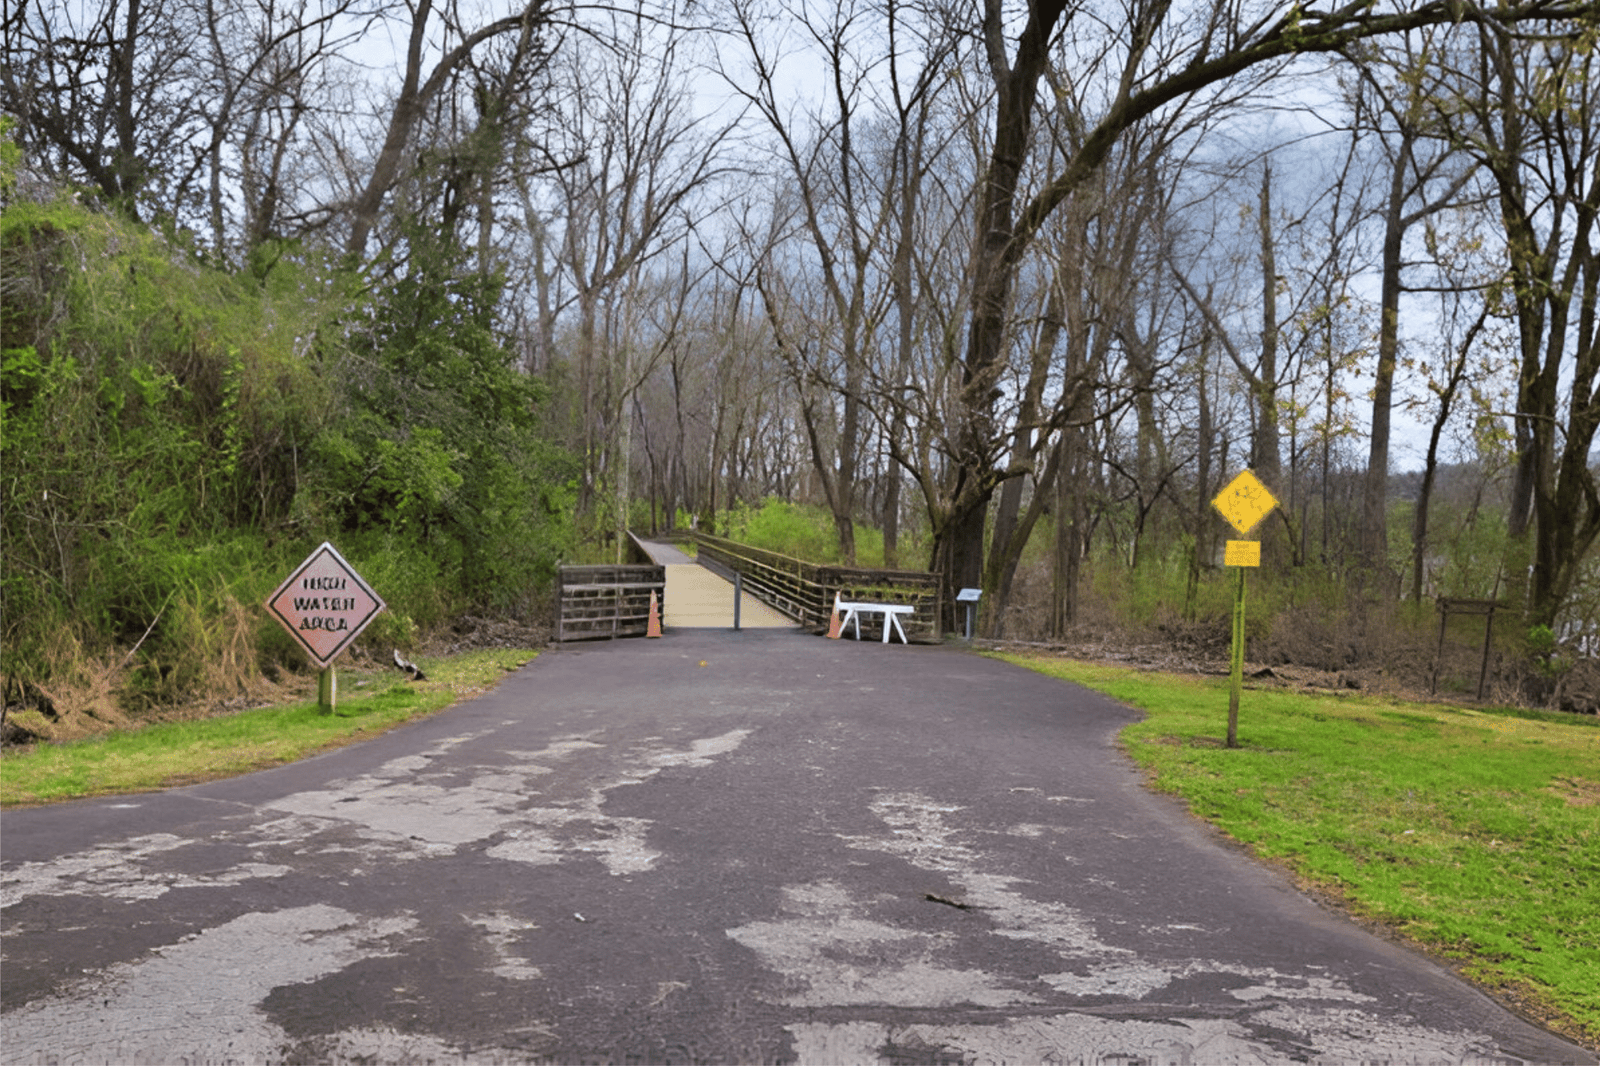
604,602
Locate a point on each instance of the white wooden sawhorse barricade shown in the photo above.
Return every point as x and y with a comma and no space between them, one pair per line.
852,611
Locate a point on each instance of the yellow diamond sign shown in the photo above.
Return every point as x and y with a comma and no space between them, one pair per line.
1244,502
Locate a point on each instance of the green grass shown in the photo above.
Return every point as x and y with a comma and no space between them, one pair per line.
1473,833
177,753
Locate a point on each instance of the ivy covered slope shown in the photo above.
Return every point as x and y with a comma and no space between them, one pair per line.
176,437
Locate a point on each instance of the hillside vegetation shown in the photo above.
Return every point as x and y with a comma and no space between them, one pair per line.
176,438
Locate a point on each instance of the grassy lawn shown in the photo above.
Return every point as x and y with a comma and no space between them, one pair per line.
1472,833
178,753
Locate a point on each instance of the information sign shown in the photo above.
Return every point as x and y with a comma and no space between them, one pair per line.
324,604
1242,553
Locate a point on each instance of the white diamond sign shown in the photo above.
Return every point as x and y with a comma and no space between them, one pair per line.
324,605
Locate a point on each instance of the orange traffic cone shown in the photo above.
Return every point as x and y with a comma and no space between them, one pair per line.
654,629
835,623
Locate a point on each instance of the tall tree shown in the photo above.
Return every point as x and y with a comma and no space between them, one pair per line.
629,157
848,193
1147,62
1425,177
106,93
1528,107
428,68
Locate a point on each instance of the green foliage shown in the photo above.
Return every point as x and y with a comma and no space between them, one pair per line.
10,157
1474,548
806,532
174,439
437,445
792,529
130,438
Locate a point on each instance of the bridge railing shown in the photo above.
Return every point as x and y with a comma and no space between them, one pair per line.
805,591
606,602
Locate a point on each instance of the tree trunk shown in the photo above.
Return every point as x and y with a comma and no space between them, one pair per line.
1204,547
1266,457
1375,490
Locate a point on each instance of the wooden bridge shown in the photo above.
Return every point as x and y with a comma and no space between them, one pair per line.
773,591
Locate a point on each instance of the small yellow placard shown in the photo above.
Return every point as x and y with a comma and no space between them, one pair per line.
1243,553
1245,501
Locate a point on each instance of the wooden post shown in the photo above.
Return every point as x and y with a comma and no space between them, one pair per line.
1488,637
327,689
1443,606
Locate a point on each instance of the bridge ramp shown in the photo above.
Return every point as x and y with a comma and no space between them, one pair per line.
699,599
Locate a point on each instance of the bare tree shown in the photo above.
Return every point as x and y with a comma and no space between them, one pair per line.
106,94
1147,63
1425,177
628,160
429,66
852,206
1528,108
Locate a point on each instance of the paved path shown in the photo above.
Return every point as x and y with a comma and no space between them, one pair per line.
715,847
697,598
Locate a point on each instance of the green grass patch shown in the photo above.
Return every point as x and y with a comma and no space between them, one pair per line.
1474,833
179,753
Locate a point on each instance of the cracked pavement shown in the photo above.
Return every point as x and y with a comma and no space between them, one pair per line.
715,847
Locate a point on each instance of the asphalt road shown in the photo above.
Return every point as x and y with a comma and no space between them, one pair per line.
715,847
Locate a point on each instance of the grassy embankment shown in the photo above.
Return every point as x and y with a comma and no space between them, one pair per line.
1472,833
180,753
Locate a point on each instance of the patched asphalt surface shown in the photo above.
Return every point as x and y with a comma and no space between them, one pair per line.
715,847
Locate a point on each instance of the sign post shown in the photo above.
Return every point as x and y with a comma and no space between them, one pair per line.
1244,502
969,597
325,605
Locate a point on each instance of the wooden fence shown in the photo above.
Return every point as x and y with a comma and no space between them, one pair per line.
805,591
606,602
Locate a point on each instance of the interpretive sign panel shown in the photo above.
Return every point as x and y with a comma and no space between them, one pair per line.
324,605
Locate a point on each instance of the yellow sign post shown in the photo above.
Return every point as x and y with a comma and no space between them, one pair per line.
1243,502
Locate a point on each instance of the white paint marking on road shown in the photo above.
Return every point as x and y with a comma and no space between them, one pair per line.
1281,986
403,810
364,1046
546,835
1340,1037
1124,980
410,809
403,800
1350,1035
1062,1038
920,835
